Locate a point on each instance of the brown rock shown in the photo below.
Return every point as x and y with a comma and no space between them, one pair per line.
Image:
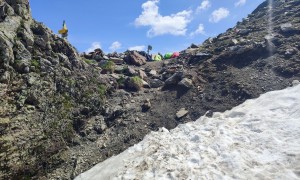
135,58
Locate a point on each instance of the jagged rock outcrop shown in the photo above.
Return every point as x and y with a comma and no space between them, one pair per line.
46,90
133,57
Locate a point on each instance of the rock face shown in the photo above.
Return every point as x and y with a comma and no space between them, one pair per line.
42,88
59,115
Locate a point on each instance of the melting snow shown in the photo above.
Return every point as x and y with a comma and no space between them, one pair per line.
259,139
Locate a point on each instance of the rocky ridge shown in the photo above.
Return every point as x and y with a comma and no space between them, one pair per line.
61,113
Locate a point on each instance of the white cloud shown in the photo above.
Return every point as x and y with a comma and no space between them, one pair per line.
204,5
218,15
94,46
200,30
115,46
240,3
137,48
174,24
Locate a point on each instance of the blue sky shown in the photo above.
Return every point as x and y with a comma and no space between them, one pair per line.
132,24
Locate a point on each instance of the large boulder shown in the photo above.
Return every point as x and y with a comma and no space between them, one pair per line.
156,83
135,58
174,79
186,83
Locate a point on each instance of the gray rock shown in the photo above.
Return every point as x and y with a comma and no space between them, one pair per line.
269,37
142,75
118,69
290,51
31,80
234,48
235,41
5,77
99,124
105,57
32,99
181,113
21,52
26,69
156,83
193,46
54,61
64,60
115,76
40,42
146,105
152,73
130,71
117,60
174,79
118,111
145,84
186,83
4,123
45,62
27,37
287,27
190,50
202,54
85,111
244,31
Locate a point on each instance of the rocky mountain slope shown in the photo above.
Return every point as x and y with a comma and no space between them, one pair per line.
46,89
60,115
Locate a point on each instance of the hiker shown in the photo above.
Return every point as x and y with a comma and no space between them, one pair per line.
64,30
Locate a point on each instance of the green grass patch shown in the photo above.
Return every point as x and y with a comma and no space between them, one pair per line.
88,61
35,63
102,89
109,66
136,82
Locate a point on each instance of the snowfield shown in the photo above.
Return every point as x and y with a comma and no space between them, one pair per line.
259,139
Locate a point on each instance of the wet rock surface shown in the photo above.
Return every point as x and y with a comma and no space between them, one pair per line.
61,113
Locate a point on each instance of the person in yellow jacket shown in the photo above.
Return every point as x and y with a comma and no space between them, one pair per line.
64,30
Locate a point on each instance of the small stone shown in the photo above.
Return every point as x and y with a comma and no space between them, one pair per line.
155,83
115,76
147,105
142,74
181,113
235,41
5,77
131,71
26,69
152,72
31,80
105,57
290,51
186,83
145,84
85,111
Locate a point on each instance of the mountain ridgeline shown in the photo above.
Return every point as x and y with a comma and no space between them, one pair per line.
61,113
